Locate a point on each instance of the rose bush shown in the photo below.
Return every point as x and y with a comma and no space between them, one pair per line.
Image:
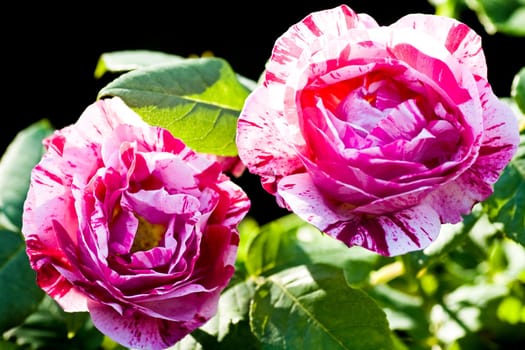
126,222
377,134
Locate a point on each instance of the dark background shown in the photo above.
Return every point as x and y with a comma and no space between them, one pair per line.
50,52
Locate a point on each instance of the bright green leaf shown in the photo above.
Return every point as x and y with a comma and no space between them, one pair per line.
19,294
312,307
198,100
22,154
248,230
126,60
509,310
507,204
517,91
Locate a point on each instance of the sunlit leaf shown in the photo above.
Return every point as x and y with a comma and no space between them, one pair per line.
509,310
507,204
311,307
19,294
22,154
248,230
197,100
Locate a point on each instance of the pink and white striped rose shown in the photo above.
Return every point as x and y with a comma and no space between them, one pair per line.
125,221
377,134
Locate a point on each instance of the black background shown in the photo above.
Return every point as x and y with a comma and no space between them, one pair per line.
50,52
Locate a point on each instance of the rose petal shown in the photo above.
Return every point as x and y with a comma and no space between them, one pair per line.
140,331
389,234
460,40
261,146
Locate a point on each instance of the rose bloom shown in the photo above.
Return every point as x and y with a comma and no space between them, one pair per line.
125,221
377,134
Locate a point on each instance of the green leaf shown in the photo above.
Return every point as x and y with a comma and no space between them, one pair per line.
507,203
22,154
5,345
290,241
505,16
126,60
19,294
233,308
312,307
517,91
198,100
248,230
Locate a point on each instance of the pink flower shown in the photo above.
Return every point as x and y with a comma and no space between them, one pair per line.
377,134
126,222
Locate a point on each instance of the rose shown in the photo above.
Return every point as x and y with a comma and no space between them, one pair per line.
128,223
377,134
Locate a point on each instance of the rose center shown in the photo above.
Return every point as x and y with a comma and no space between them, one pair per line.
148,235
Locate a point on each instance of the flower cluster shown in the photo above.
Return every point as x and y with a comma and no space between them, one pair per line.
373,136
